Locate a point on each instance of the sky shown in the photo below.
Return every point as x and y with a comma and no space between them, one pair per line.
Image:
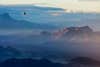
68,5
60,18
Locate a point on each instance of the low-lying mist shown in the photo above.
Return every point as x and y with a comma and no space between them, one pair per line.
40,43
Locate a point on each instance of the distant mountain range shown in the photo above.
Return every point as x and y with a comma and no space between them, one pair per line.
75,31
7,22
67,31
80,34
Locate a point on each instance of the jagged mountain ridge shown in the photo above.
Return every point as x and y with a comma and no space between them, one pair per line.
84,29
83,62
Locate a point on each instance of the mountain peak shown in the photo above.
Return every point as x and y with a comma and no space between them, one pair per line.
74,31
77,29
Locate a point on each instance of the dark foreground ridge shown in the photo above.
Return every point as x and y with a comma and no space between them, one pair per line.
76,62
29,63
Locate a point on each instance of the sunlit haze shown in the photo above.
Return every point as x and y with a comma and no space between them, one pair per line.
69,5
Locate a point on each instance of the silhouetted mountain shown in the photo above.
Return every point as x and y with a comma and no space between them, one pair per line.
29,63
84,29
7,22
8,52
77,62
83,62
80,29
71,32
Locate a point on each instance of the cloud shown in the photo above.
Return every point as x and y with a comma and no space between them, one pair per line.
55,14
